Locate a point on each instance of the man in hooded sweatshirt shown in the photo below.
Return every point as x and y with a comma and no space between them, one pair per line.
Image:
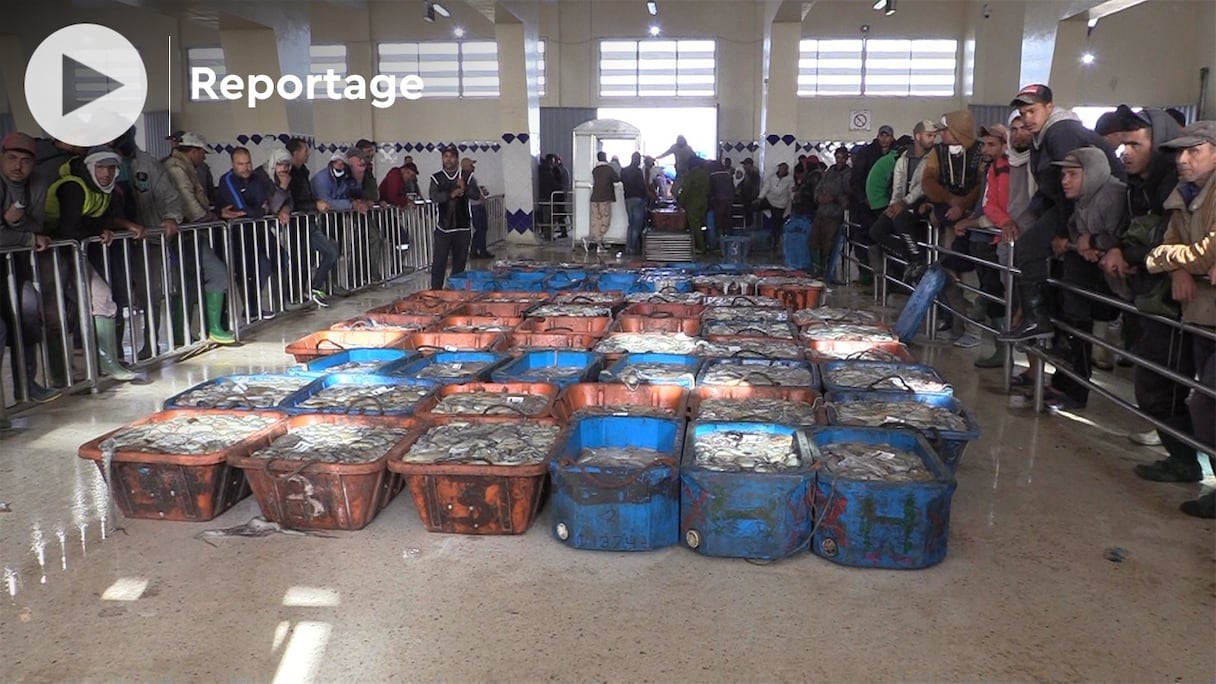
894,230
79,206
1188,254
1099,215
1057,131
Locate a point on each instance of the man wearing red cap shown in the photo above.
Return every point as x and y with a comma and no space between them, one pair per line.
22,196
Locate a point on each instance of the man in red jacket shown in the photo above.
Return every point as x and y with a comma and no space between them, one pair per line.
400,185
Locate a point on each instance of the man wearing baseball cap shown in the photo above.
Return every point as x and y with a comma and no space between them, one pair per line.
859,203
22,198
1188,255
1057,131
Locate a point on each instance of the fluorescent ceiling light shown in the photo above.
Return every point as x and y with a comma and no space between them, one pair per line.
441,10
652,7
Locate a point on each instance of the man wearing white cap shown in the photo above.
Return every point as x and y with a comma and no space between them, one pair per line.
182,167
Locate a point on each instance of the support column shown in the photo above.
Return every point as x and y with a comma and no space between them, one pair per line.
519,116
12,72
781,97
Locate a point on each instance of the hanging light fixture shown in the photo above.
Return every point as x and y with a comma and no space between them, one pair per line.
441,10
890,8
428,12
880,5
652,7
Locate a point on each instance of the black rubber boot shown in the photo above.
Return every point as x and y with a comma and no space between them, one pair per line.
1036,320
1203,507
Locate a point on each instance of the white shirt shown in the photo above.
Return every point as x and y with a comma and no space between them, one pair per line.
778,191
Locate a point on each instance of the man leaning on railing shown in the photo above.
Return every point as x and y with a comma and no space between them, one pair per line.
22,202
80,206
1188,255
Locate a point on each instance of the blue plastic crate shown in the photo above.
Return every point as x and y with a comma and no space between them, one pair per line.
664,280
898,525
413,368
759,366
249,402
584,366
379,362
825,371
745,514
624,508
618,282
473,281
735,250
949,444
569,279
364,408
688,363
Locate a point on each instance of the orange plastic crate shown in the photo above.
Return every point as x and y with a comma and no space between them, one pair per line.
425,409
188,487
450,341
596,326
649,324
386,321
326,342
742,393
464,323
310,495
671,397
521,340
476,498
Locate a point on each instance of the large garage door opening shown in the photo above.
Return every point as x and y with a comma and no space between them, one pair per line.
660,126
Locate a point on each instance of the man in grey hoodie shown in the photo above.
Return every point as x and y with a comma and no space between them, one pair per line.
1056,132
1099,216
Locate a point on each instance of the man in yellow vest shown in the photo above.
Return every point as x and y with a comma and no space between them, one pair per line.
79,206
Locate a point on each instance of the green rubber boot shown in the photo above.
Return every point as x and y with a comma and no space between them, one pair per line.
177,318
997,359
215,317
107,350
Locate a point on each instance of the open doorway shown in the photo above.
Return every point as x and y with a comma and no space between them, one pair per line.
661,125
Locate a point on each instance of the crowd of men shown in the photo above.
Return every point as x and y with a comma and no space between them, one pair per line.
53,191
1043,193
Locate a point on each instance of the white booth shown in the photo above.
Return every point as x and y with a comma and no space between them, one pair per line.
588,138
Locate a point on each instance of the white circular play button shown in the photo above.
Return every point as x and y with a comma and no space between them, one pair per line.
86,84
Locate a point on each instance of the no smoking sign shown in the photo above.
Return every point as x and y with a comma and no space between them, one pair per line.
859,120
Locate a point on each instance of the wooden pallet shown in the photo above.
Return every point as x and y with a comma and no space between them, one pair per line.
661,246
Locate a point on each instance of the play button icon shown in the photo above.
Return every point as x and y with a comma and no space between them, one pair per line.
86,84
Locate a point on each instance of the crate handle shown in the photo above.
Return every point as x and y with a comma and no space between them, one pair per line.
893,376
288,475
365,399
429,347
660,314
762,331
559,328
325,340
662,461
486,411
751,353
361,324
764,376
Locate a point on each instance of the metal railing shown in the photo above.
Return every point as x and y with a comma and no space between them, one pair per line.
553,215
934,251
496,214
159,285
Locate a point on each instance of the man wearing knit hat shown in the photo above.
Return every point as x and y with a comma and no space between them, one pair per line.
79,207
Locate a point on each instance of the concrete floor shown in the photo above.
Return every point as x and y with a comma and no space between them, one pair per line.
1026,592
